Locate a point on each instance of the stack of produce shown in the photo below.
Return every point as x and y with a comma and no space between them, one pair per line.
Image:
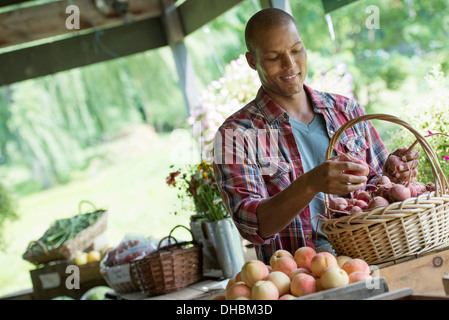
289,276
380,194
89,256
129,249
66,237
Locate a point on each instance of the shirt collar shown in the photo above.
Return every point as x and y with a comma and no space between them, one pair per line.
271,110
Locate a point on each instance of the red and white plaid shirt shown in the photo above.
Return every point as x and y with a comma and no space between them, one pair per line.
256,156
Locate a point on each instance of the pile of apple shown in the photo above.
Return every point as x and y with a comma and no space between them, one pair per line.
289,276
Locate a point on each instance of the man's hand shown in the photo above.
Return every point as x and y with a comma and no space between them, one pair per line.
330,176
401,165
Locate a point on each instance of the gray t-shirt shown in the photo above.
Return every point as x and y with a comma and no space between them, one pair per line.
313,141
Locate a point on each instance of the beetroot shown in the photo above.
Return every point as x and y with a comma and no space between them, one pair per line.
378,202
399,192
362,204
419,187
355,209
363,195
338,203
383,180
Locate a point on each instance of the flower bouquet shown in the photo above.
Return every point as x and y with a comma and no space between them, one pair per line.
197,182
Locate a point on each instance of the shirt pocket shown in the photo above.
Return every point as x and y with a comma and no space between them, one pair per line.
355,145
276,172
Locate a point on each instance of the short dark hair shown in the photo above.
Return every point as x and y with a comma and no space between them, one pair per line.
265,19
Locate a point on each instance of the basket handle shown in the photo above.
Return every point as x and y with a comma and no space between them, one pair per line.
171,237
440,180
88,202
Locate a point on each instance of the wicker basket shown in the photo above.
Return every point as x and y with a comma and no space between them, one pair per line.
401,229
121,278
171,267
70,248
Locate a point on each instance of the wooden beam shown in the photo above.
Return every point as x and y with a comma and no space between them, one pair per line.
5,3
197,13
89,46
186,75
175,36
331,5
49,20
172,21
279,4
82,50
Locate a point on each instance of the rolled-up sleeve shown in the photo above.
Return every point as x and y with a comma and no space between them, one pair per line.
241,184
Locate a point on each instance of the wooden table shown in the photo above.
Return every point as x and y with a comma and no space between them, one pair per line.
203,290
423,273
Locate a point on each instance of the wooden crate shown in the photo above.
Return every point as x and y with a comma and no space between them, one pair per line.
354,291
406,294
422,273
49,281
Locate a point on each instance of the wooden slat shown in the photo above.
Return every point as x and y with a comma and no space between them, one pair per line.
423,274
280,4
353,291
393,295
5,3
82,50
197,13
446,284
331,5
49,20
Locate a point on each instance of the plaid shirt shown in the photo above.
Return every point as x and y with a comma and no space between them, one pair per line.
244,180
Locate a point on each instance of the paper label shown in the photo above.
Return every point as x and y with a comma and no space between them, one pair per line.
50,280
119,274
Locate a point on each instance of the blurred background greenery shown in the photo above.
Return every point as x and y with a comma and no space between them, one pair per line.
106,132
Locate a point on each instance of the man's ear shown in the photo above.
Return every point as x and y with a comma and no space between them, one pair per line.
251,60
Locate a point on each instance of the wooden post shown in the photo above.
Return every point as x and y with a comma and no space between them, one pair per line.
175,37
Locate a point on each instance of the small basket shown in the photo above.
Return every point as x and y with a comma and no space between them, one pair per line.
401,229
121,278
171,267
69,249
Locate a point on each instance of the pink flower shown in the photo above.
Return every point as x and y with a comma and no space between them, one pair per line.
446,158
430,132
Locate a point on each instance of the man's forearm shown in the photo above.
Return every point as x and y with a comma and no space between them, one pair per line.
275,213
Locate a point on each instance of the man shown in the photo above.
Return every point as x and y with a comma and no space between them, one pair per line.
270,155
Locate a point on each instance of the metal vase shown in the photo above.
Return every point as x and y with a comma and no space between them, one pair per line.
201,234
228,246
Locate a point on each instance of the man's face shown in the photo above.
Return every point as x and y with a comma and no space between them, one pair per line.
280,60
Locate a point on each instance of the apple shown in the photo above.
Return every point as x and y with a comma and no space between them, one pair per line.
302,284
238,289
285,265
321,261
342,259
333,277
358,276
303,256
356,265
264,290
298,271
279,254
281,281
253,271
